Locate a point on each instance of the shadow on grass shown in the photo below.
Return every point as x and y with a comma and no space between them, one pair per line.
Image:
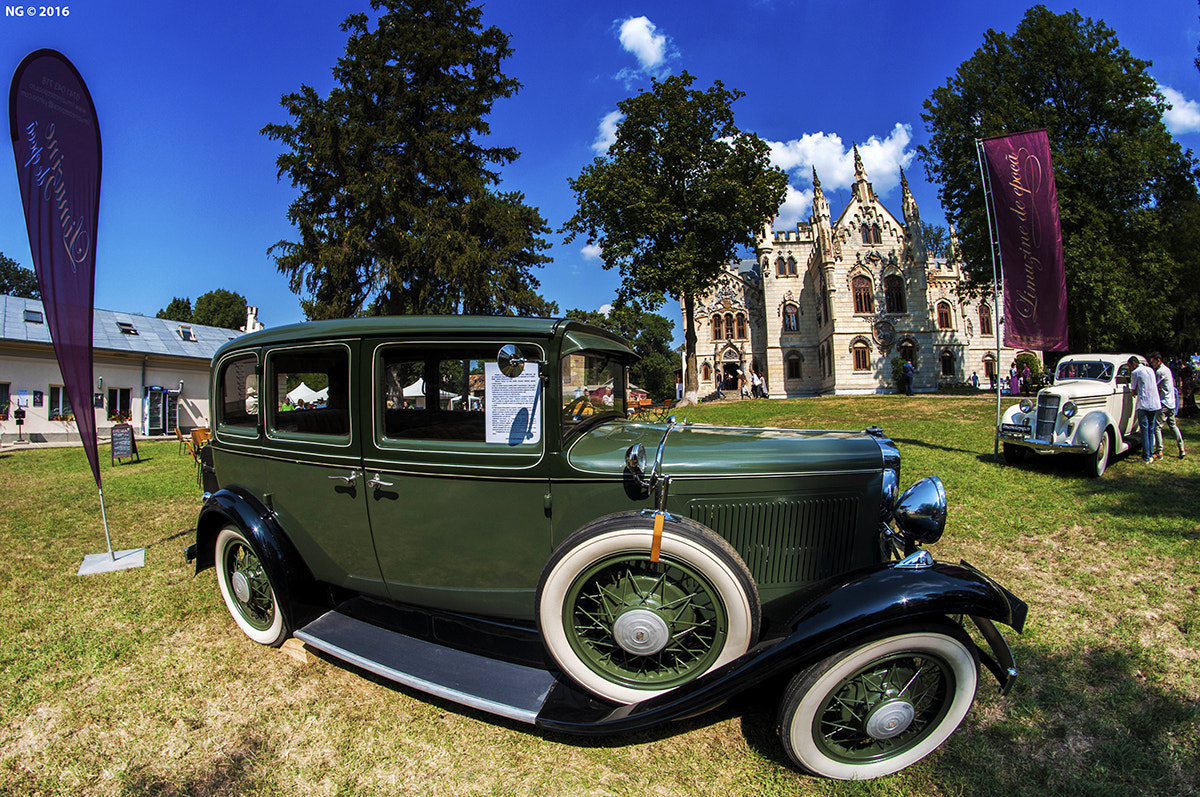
1089,723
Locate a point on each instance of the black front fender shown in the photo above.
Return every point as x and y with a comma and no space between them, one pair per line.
805,628
291,578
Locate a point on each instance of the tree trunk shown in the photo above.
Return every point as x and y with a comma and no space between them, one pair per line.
691,384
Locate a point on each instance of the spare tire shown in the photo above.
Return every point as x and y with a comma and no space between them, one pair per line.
627,628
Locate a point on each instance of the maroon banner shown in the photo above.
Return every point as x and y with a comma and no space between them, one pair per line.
56,141
1031,252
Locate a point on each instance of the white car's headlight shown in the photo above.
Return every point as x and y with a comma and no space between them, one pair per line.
1069,409
1026,405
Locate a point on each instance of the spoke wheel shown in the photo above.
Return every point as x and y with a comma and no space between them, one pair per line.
882,706
627,628
247,590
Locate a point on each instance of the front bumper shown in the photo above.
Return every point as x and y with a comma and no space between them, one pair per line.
1045,446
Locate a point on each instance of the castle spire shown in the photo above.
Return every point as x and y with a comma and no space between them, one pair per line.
912,223
862,187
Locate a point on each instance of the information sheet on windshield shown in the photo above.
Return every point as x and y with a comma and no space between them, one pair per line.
511,411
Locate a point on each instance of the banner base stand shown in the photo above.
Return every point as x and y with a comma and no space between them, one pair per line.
108,562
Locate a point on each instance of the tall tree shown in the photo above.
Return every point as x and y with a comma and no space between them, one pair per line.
1118,172
396,213
680,190
180,309
650,336
16,280
220,308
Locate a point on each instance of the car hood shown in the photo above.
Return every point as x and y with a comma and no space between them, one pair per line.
1082,388
696,449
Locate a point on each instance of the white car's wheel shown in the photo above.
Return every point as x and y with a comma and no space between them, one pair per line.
627,628
880,707
1096,463
247,590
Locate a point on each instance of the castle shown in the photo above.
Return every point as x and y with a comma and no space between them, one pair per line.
827,306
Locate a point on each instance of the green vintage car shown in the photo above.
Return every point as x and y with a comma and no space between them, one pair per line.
464,505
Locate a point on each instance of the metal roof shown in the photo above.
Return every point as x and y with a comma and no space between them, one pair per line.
156,336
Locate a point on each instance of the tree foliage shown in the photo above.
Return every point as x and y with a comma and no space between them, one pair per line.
220,308
180,309
650,335
1121,178
397,212
680,190
16,280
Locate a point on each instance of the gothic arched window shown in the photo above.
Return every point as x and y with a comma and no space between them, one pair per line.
893,294
863,301
948,363
793,367
791,266
985,319
862,356
716,327
781,267
791,318
944,316
741,326
729,326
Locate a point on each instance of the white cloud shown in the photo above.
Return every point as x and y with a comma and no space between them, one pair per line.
796,207
590,252
640,36
606,134
653,50
605,309
834,161
1183,116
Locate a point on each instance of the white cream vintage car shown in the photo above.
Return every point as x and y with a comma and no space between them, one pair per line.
1089,410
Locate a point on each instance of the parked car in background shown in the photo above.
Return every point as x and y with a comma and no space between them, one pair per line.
1089,410
471,512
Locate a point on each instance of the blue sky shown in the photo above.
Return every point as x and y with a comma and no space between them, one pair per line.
190,201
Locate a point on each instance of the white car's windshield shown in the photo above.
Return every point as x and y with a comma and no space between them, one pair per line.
1085,369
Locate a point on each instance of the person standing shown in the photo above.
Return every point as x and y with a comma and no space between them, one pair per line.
1143,382
909,373
1166,394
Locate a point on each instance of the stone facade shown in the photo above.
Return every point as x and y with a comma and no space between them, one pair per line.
826,307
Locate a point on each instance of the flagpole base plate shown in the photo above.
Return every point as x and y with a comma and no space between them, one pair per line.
106,563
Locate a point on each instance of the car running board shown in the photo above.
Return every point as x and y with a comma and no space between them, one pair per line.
498,687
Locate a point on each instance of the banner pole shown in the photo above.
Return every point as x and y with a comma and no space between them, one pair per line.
104,519
985,181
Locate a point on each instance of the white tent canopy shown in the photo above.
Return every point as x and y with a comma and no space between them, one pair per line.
303,392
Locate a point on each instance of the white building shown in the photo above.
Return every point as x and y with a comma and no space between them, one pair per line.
150,372
826,307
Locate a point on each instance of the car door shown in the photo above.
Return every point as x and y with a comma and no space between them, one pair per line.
459,509
308,400
1123,401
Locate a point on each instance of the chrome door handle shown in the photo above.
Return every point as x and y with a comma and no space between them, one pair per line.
350,480
377,482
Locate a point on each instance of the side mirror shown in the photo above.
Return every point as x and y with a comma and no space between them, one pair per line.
511,361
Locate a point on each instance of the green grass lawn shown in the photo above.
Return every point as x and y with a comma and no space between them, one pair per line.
137,682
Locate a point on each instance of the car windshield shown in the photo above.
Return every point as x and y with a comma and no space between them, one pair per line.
593,389
1085,369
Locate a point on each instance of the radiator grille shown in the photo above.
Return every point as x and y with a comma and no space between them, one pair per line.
786,542
1047,414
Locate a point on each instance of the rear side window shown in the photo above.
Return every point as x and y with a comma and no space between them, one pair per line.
237,394
311,392
442,393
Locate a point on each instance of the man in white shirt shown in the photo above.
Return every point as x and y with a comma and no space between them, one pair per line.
1144,384
1166,394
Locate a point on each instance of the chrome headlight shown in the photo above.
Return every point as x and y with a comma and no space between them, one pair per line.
891,487
1026,405
1069,409
921,510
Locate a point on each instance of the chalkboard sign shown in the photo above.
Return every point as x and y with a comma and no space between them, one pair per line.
123,444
